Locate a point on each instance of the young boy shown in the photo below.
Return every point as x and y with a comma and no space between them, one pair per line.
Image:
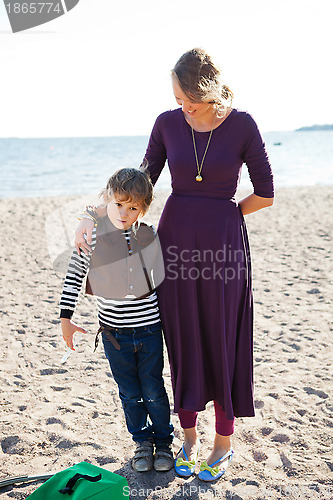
124,266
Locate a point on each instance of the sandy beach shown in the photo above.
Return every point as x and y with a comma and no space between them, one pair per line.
54,415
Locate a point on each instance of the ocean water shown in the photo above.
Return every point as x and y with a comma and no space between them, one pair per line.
51,167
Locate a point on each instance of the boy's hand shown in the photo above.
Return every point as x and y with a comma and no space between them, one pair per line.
68,330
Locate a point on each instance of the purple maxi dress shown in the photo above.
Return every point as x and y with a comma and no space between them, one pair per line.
206,298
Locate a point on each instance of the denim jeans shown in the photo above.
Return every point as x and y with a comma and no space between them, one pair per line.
137,369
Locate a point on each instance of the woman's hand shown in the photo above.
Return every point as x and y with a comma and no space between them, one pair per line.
253,203
68,330
85,227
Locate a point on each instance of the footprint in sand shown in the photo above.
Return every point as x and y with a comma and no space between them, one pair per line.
285,461
53,420
259,404
330,465
14,445
296,420
87,399
320,394
8,443
280,438
265,431
259,456
249,437
328,422
53,371
300,444
105,460
67,444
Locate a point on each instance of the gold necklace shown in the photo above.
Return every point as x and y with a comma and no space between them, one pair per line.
198,177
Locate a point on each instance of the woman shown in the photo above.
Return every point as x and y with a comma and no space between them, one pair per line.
206,298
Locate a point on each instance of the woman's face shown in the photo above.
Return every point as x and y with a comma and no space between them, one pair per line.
191,109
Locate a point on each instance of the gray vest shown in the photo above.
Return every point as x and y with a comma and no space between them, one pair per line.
118,269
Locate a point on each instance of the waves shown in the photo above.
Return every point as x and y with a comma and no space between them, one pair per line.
61,166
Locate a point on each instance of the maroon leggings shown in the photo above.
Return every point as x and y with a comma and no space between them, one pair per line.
223,426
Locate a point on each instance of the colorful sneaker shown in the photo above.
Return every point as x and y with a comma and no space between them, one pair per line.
213,472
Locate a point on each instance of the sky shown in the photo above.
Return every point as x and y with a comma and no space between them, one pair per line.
103,69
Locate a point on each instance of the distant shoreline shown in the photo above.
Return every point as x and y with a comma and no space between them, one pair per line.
314,128
146,137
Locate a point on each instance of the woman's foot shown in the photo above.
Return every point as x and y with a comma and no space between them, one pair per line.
219,459
215,470
184,465
222,444
191,444
191,450
216,454
187,456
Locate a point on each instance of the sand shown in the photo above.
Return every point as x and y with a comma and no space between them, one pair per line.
54,415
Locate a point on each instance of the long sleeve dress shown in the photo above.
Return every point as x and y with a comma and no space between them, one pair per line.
206,299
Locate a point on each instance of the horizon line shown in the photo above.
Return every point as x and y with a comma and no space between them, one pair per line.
108,136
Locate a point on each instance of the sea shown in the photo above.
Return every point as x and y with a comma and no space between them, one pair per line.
64,166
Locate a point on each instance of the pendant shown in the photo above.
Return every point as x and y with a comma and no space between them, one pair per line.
198,178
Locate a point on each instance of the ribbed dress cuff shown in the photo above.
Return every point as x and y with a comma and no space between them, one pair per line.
269,194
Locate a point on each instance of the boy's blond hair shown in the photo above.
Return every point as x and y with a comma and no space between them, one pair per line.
132,185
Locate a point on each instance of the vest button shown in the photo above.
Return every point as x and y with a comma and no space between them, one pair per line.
131,269
131,287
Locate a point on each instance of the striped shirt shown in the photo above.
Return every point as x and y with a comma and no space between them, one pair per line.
127,312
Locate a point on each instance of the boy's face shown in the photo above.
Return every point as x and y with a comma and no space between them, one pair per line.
122,213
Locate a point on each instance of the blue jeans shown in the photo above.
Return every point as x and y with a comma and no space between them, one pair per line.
137,369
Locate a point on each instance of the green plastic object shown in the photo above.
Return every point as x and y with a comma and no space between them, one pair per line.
81,482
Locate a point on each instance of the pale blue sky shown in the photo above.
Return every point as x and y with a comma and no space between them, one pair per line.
105,70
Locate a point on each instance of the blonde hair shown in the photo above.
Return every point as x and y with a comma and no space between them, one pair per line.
132,185
199,77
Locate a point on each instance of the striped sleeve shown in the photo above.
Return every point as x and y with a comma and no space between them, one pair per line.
77,270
